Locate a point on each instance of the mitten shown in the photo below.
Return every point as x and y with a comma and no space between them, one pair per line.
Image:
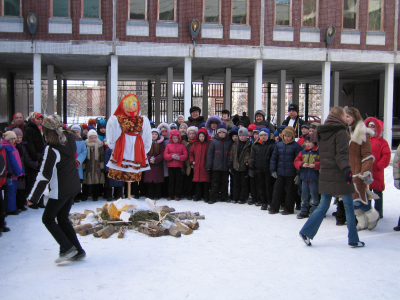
273,174
349,177
297,179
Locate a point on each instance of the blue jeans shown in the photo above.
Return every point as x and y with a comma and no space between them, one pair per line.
309,188
362,206
379,203
10,196
313,223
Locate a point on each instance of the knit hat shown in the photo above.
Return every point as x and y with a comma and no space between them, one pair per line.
92,122
225,111
289,131
152,124
243,131
84,126
305,125
202,125
184,125
103,122
260,112
18,132
229,127
192,128
9,135
281,128
234,131
264,131
258,128
314,125
53,122
156,131
251,127
173,126
180,116
221,128
91,132
276,133
241,123
76,127
294,107
308,137
195,108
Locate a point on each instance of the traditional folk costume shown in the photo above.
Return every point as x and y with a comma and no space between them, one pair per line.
129,136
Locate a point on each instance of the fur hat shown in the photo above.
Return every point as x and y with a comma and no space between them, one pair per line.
18,132
243,131
378,125
9,135
260,112
265,131
289,131
156,131
195,108
294,107
251,127
225,111
91,132
192,128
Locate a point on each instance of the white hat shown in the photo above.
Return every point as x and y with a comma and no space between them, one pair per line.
91,132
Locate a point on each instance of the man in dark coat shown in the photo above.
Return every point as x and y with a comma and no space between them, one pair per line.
335,176
260,119
195,119
294,119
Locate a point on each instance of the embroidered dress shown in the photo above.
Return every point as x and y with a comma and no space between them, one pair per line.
130,140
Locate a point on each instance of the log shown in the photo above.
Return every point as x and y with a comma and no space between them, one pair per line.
75,216
190,217
121,232
82,227
193,225
118,222
107,232
91,230
150,231
167,209
183,228
163,229
187,215
174,231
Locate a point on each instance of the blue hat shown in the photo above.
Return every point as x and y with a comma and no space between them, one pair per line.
276,133
221,126
103,122
281,128
264,130
202,125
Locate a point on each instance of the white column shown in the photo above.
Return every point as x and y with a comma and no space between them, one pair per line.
381,95
114,84
250,98
326,90
204,110
170,94
37,82
258,79
188,86
388,105
59,95
334,89
157,99
50,89
228,89
281,97
296,91
108,93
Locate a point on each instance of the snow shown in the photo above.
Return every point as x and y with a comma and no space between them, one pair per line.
239,252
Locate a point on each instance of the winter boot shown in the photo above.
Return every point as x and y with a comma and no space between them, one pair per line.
362,219
68,254
373,218
397,228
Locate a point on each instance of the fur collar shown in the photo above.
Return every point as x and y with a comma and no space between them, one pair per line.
330,127
359,135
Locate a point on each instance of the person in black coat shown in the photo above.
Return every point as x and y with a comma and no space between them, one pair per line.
260,164
217,162
64,184
282,168
294,120
35,147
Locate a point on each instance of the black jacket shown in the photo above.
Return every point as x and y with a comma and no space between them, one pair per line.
34,143
261,155
297,125
59,171
195,122
218,154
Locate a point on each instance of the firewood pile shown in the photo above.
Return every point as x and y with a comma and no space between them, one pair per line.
156,222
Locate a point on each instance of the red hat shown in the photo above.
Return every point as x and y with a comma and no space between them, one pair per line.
92,122
251,127
84,126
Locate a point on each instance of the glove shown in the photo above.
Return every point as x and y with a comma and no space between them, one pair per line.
273,174
20,178
232,171
349,177
251,173
297,179
397,183
9,175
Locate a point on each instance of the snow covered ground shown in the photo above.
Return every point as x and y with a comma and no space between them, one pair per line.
239,252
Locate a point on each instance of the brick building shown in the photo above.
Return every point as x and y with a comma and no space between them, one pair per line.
259,42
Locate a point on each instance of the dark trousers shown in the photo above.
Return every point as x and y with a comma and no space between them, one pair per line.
265,187
164,187
254,188
108,192
30,181
175,182
95,191
187,184
154,190
282,183
219,182
79,195
62,230
240,186
21,199
2,209
202,188
379,203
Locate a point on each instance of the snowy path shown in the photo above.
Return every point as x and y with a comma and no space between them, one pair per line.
239,252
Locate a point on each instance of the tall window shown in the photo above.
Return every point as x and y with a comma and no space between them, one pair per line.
350,14
239,12
91,9
211,11
283,12
310,13
375,14
137,10
61,8
12,8
166,10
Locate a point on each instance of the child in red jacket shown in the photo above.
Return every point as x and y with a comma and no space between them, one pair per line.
175,154
3,174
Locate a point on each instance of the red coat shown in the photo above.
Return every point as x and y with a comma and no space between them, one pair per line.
381,152
198,154
175,148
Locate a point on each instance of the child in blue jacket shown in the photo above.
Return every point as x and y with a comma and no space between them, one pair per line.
308,163
81,152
